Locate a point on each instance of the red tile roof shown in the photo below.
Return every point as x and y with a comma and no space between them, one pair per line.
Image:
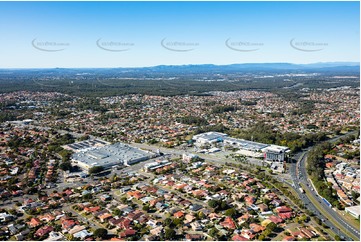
179,214
43,231
228,223
283,209
289,238
285,215
238,237
275,219
128,232
34,222
92,209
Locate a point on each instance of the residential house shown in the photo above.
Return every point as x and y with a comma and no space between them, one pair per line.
105,217
178,214
67,224
256,228
157,231
34,222
127,233
196,226
43,231
55,236
228,223
193,237
238,237
82,234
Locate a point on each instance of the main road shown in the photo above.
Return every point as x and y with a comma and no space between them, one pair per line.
299,176
310,191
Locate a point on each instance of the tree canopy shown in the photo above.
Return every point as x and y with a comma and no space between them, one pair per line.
101,233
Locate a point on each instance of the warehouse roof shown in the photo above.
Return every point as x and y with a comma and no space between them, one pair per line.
110,155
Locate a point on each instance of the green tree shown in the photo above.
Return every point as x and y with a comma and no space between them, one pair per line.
318,221
231,212
101,233
169,234
355,195
96,169
65,166
146,208
65,155
117,212
304,218
271,226
87,196
267,232
177,221
261,237
213,203
223,205
200,215
213,232
168,221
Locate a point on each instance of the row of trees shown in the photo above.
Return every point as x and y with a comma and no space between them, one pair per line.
264,133
218,205
223,109
6,116
315,169
215,128
305,107
189,84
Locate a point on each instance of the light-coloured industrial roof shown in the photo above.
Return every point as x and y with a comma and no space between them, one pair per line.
110,155
210,136
243,144
246,144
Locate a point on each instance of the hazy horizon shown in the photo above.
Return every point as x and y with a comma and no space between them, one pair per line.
335,63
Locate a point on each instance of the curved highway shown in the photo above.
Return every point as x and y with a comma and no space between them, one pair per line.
299,176
310,191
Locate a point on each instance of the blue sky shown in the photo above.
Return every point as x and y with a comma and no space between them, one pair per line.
192,33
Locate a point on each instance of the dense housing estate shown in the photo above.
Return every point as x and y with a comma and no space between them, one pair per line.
230,197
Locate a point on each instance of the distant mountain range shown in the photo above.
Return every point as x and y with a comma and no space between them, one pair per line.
261,66
171,80
246,67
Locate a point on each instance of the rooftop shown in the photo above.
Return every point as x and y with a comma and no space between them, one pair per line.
354,209
246,144
86,145
210,136
277,148
110,155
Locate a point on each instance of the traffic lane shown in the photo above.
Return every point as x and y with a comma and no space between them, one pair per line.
309,205
336,216
324,219
327,208
322,203
313,209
